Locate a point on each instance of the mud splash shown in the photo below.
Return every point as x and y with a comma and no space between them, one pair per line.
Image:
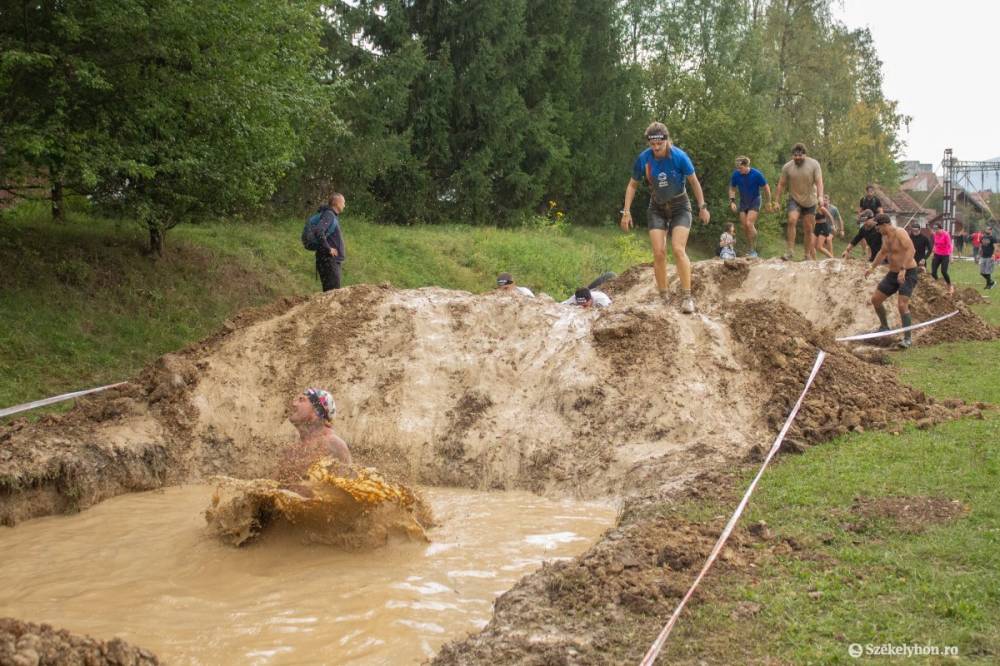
358,511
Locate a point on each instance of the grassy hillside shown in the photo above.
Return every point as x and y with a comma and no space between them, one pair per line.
82,305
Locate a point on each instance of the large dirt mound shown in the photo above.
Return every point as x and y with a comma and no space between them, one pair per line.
494,391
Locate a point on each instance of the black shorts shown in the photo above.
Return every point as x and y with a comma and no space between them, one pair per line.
822,229
890,284
795,205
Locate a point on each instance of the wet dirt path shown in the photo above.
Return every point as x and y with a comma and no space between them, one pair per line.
142,567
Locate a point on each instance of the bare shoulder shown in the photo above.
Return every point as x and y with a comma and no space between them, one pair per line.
337,447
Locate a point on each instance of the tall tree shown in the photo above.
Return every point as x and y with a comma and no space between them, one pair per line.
166,110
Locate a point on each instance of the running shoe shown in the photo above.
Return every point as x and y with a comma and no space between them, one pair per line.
991,285
687,305
786,256
905,343
752,254
880,329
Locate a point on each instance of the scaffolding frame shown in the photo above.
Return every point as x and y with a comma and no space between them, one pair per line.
956,174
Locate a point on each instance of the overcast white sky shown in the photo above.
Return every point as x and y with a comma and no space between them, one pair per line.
934,52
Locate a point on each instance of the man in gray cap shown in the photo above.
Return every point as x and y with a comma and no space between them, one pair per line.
505,282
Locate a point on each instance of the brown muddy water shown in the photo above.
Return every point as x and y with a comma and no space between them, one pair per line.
143,567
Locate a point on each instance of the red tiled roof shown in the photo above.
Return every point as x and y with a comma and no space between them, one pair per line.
927,179
899,202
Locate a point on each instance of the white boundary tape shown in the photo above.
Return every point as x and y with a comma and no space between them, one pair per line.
49,401
882,334
661,640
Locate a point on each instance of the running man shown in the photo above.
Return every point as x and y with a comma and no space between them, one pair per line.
803,177
667,170
902,275
311,413
748,181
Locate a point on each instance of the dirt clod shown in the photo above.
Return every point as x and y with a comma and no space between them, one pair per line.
28,644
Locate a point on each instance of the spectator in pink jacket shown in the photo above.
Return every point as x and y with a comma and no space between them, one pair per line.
942,256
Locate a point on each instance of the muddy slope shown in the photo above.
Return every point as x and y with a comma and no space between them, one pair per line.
494,391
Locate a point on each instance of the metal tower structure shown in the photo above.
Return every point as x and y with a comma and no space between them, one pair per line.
959,173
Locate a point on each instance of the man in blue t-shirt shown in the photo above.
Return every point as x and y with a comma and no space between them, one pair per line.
748,181
667,170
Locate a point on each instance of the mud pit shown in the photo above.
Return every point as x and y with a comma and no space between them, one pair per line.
493,392
143,567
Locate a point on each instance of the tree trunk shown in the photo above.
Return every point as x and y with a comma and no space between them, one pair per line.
155,240
57,199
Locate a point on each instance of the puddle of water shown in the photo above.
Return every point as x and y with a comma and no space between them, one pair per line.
143,568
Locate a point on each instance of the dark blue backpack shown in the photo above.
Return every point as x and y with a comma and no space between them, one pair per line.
313,232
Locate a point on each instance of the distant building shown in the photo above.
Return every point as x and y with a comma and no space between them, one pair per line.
913,167
903,209
922,182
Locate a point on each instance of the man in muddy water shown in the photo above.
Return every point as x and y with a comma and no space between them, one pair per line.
902,275
667,171
311,412
803,178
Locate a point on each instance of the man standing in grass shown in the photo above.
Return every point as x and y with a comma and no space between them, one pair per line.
329,239
902,275
667,171
803,177
748,181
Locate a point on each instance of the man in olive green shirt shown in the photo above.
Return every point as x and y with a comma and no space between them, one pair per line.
803,177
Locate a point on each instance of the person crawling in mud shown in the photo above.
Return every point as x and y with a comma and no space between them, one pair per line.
867,233
505,282
311,413
588,298
902,275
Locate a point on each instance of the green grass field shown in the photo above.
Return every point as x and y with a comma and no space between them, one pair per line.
871,582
